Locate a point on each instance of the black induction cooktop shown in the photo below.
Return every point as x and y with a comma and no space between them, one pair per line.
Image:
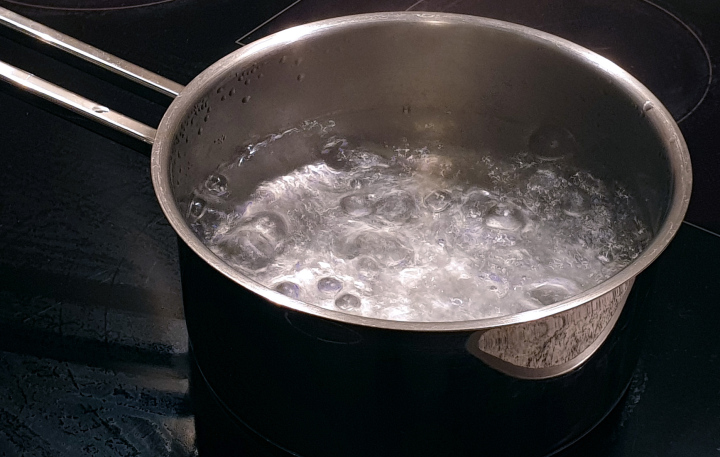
94,356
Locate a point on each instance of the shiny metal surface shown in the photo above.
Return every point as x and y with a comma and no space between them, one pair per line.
554,345
477,82
287,69
470,65
76,103
90,53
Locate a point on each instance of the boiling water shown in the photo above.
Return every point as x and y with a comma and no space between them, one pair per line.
402,233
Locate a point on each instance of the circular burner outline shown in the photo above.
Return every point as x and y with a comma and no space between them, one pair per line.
110,8
648,2
705,51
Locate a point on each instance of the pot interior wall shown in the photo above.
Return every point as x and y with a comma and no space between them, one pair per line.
484,88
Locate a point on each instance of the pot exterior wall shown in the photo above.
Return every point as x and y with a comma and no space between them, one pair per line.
321,388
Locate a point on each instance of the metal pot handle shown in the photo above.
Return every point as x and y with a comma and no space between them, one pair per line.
72,101
554,345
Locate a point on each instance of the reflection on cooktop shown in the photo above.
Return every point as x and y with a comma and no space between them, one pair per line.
646,40
219,434
87,5
93,345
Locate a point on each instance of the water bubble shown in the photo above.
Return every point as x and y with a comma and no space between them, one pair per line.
433,164
329,285
477,204
367,268
385,249
269,224
216,184
347,302
247,248
494,283
438,201
543,180
648,105
397,207
196,209
472,252
203,219
575,202
550,143
333,154
289,289
504,217
357,205
606,256
553,290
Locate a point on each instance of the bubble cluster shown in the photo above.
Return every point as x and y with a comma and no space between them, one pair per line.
406,233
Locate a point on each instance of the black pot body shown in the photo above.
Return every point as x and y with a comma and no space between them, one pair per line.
320,388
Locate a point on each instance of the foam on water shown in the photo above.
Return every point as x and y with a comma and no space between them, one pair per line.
394,232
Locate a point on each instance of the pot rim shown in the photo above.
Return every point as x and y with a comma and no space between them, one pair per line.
659,117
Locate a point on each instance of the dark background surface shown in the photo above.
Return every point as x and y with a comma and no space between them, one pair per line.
93,349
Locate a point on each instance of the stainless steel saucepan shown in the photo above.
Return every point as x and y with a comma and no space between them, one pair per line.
323,383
